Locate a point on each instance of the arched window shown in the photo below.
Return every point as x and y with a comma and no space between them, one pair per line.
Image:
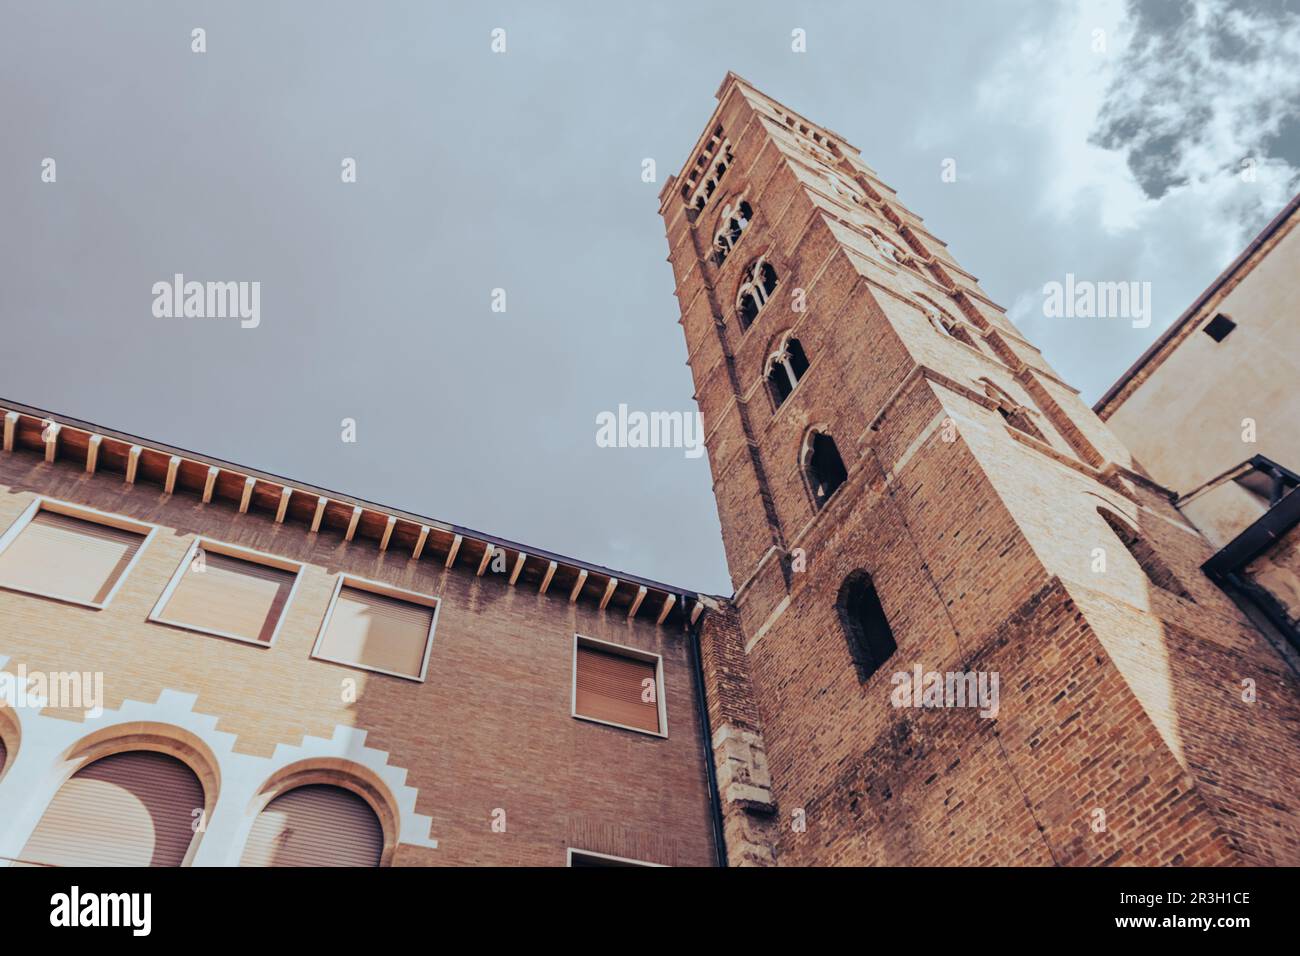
1012,412
866,629
785,367
135,808
824,467
315,825
888,250
945,324
1157,572
840,186
735,220
710,166
756,289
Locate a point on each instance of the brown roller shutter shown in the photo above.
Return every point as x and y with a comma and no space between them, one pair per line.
377,631
230,595
609,687
130,809
315,825
66,557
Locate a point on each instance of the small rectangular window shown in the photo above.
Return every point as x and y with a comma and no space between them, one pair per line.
69,553
378,628
619,686
1219,327
226,591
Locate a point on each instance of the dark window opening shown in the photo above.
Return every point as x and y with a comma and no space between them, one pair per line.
1019,420
1219,327
826,471
785,371
866,628
730,233
755,290
1013,413
1157,572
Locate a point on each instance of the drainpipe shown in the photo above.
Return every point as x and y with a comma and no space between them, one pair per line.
706,734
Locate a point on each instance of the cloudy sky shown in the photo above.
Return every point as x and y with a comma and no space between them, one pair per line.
1103,139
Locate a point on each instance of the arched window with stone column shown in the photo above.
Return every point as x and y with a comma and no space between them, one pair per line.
785,369
756,289
733,222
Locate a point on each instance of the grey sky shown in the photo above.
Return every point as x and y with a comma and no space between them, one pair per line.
522,171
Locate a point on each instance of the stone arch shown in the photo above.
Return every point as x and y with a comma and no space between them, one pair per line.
11,737
822,465
158,737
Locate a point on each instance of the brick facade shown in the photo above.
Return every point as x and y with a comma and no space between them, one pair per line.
489,729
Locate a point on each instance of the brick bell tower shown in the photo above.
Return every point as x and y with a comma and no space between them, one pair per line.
903,482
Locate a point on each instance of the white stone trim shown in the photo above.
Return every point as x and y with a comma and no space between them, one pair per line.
46,756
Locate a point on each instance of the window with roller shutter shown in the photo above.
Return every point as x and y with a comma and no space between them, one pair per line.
315,825
135,808
619,686
378,628
68,553
227,591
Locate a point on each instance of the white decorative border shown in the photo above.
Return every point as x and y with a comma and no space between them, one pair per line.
46,755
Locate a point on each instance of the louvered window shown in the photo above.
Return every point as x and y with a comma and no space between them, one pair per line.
228,592
130,809
382,630
315,825
71,556
615,687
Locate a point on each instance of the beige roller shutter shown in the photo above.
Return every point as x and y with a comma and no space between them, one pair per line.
130,809
68,557
377,631
315,825
230,595
610,688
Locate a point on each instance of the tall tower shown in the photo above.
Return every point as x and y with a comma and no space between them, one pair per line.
904,483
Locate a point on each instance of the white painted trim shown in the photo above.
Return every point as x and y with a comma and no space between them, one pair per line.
40,765
580,640
142,528
577,585
771,619
627,860
230,551
387,590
